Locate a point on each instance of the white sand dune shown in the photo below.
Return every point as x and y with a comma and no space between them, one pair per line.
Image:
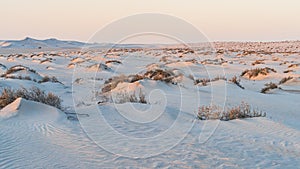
35,135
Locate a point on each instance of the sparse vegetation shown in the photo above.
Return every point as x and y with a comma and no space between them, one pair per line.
294,65
236,81
204,81
241,111
157,75
285,79
269,86
49,79
258,62
35,94
18,68
257,71
125,97
161,75
113,61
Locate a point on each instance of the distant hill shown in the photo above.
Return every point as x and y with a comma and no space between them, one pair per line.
30,43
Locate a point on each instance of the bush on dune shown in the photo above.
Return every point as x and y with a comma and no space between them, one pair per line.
34,94
269,86
257,71
241,111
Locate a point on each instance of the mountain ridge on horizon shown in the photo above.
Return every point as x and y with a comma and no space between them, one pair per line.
33,43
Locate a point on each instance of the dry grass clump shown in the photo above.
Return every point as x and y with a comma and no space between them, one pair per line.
257,71
18,68
52,79
35,94
236,81
269,86
113,61
288,71
205,81
157,75
294,65
113,82
258,62
285,79
161,75
241,111
46,60
125,97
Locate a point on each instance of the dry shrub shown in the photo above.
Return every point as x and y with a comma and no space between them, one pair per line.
269,86
285,79
294,65
204,81
257,71
125,97
113,61
49,79
288,71
35,94
161,75
258,62
243,110
236,81
17,68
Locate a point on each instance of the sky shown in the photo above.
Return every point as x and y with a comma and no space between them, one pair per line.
218,20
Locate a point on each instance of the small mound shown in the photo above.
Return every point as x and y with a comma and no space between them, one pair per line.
257,73
11,109
22,72
50,68
31,110
71,66
98,67
77,60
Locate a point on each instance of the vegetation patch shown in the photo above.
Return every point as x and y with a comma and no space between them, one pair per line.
241,111
35,94
268,87
252,73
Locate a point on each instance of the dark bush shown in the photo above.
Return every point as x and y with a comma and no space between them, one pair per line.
269,86
35,94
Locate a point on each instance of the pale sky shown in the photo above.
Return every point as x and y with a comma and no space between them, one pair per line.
225,20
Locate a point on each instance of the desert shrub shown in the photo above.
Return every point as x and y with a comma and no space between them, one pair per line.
112,83
258,62
124,97
35,94
45,79
269,86
285,79
236,81
45,60
294,65
160,75
164,59
113,61
209,112
288,71
204,81
27,78
18,68
257,71
49,79
243,110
